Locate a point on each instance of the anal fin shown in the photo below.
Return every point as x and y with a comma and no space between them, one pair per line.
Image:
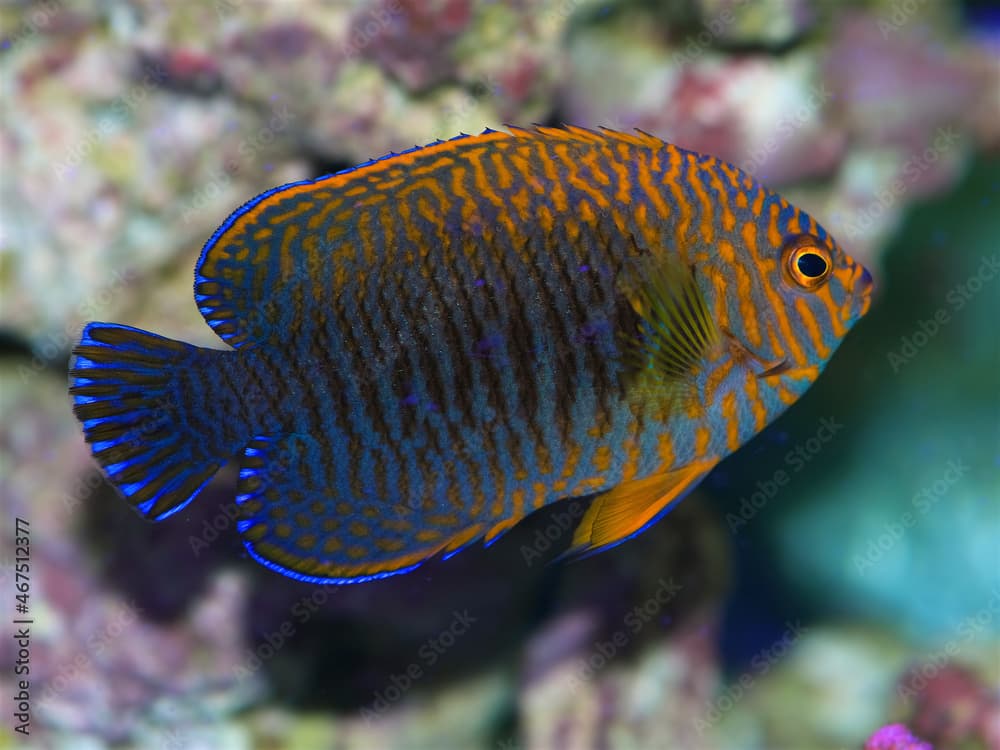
298,519
627,509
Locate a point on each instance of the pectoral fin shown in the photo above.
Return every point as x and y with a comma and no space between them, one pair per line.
630,507
675,334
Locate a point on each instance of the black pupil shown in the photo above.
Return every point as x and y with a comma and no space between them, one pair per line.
811,265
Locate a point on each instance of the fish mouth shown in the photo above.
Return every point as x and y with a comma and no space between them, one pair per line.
862,293
859,298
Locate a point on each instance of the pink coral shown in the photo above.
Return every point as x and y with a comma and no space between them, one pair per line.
895,737
950,704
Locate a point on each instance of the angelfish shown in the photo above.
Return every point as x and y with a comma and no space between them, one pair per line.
427,347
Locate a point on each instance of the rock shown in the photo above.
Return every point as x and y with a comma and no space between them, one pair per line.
772,23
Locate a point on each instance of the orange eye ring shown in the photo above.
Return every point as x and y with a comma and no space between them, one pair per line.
807,264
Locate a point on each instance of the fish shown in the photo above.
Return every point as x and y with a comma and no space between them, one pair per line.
426,348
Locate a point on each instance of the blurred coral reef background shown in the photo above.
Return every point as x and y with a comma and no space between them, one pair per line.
839,575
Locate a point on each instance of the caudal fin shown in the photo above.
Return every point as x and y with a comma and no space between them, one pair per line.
132,392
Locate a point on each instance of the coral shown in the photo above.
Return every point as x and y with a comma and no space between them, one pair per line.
882,118
772,23
951,705
895,737
100,665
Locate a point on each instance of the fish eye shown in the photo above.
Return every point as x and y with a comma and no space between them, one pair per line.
807,264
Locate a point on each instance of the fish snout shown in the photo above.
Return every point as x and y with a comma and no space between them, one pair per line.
863,293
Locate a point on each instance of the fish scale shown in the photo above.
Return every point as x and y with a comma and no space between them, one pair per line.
432,345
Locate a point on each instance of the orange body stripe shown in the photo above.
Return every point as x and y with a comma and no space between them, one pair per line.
752,389
836,322
573,451
748,309
496,509
602,458
482,182
773,235
716,377
286,259
815,336
588,485
428,169
749,235
706,220
517,497
554,187
545,219
443,519
631,464
541,494
702,439
728,219
795,225
590,160
673,183
600,197
665,450
732,417
731,173
505,179
650,190
387,185
412,234
620,168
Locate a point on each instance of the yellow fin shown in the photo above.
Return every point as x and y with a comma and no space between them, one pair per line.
676,331
631,506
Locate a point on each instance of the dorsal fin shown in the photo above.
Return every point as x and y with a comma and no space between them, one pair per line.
287,236
236,275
